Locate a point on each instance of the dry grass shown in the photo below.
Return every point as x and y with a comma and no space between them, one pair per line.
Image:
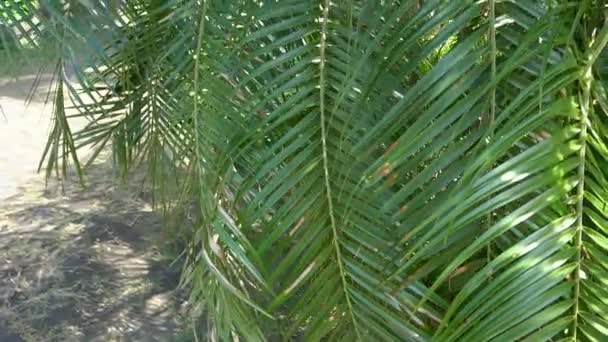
75,264
82,265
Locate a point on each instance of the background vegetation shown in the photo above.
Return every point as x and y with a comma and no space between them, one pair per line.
354,170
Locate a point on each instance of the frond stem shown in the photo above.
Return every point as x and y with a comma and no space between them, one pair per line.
332,218
492,34
199,44
585,96
493,57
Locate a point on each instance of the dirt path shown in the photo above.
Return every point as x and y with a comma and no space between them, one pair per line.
75,265
23,131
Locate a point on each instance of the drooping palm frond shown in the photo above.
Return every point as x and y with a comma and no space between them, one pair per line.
369,150
362,170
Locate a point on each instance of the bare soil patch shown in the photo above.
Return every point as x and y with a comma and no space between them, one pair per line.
83,265
75,264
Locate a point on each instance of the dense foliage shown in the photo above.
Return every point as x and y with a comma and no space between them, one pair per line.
356,170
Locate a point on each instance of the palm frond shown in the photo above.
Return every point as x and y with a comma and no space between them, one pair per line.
356,170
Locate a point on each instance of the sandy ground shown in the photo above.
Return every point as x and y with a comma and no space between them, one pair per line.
75,264
23,131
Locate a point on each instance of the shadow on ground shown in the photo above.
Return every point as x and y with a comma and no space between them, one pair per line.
82,265
21,87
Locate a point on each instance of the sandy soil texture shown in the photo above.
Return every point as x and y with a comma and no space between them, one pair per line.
75,264
23,130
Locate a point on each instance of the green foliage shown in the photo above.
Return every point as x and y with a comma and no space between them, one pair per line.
360,170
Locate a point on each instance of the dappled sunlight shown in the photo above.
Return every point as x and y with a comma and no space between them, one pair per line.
81,265
25,113
513,176
435,171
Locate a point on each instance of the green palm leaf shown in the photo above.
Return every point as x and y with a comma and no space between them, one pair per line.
357,170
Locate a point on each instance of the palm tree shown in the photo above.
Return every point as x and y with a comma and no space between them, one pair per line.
358,170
